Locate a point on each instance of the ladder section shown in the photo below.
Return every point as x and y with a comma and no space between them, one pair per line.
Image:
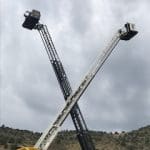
83,135
32,22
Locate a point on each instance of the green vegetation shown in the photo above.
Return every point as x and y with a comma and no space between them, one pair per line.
11,138
66,140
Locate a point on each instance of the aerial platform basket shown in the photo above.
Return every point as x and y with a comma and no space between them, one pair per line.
129,32
31,19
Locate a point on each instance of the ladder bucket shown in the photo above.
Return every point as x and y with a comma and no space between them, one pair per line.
129,32
31,19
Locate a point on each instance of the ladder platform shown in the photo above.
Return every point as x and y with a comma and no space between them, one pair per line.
129,32
31,19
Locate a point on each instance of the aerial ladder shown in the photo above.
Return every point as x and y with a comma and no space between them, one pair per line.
32,22
46,139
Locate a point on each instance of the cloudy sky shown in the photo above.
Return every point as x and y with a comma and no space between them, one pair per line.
119,96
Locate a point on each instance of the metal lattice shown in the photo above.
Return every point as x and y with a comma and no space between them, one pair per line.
83,135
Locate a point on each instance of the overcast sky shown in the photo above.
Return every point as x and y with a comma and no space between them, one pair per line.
119,96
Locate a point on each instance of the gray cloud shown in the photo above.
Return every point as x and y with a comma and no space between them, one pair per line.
117,99
81,14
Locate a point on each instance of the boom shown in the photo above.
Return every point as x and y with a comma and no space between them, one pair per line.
31,21
48,136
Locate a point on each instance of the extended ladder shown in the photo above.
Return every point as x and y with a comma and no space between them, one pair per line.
32,22
51,132
77,117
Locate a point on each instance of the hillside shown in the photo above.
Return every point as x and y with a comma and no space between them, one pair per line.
66,140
